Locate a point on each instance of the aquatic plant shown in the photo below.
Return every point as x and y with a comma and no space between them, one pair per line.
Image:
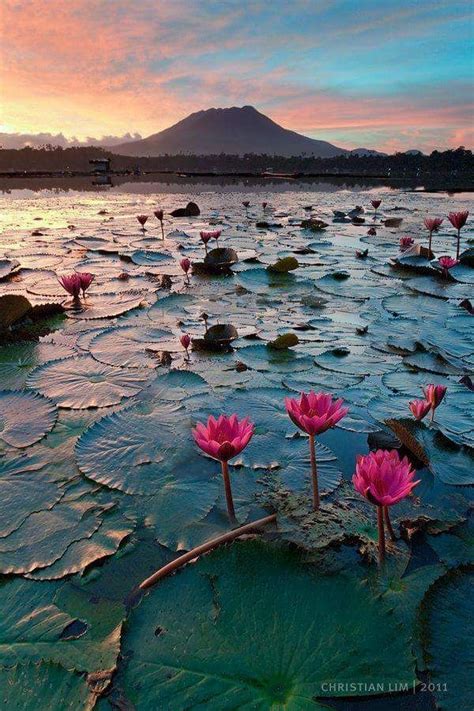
314,413
458,220
223,439
208,235
375,204
419,408
185,265
432,224
446,263
371,232
142,220
159,216
72,284
405,243
383,479
86,280
185,341
434,394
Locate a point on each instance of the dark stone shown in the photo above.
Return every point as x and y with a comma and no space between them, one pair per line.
191,210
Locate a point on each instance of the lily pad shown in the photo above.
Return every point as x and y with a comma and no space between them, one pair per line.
126,346
81,382
25,417
452,463
35,619
19,359
25,685
169,663
448,615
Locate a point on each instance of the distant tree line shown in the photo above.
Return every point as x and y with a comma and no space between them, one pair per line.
451,165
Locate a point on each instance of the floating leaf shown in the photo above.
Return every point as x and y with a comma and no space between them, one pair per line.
36,617
448,615
25,417
451,463
286,340
81,382
24,686
168,644
19,359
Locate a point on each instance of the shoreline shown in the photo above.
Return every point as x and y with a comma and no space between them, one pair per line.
410,183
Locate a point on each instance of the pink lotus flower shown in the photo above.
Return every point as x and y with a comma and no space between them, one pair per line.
72,284
223,439
185,341
315,413
458,220
185,265
419,408
159,216
405,243
142,219
383,479
86,280
434,394
446,263
264,205
432,224
208,235
375,203
371,231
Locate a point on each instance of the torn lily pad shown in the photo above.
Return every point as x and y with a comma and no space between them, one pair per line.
171,666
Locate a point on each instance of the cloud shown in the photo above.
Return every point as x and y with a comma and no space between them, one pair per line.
365,72
37,140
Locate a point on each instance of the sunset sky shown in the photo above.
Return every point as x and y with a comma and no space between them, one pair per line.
387,75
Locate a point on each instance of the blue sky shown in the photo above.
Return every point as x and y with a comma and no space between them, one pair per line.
389,75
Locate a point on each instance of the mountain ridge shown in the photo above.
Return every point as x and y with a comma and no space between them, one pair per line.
233,130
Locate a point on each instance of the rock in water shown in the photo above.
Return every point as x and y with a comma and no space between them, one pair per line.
191,210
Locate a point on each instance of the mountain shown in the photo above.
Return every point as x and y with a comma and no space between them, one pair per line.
233,131
366,152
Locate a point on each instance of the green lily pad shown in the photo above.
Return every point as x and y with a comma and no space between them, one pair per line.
456,547
24,686
19,359
81,382
36,623
25,417
113,530
168,644
452,463
25,486
44,536
132,451
449,629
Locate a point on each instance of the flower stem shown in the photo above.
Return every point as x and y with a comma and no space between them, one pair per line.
458,249
381,534
162,231
314,473
228,491
429,242
388,523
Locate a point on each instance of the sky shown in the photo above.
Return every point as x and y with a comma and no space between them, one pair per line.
358,73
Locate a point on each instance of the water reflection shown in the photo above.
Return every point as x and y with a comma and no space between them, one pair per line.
148,184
